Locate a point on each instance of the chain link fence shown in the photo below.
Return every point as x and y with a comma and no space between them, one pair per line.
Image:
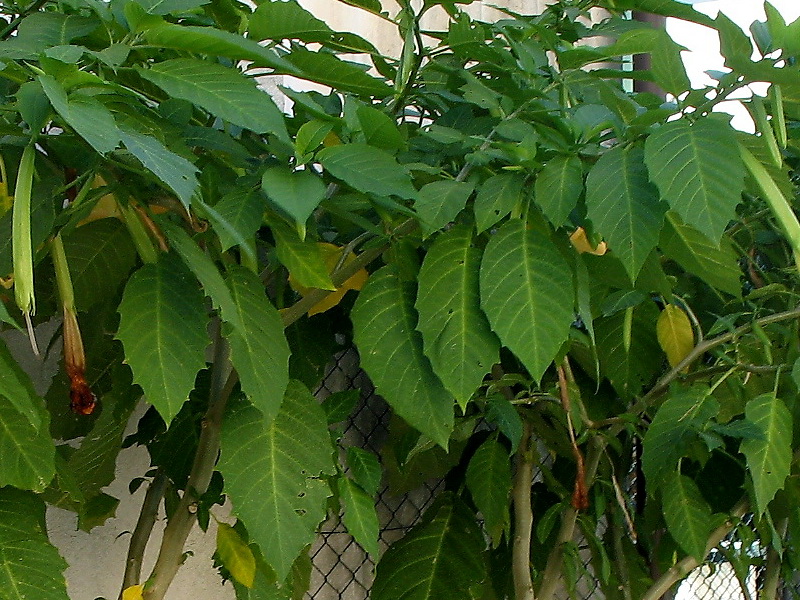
341,570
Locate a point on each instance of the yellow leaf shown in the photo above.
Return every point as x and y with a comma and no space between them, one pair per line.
582,244
675,335
106,207
133,593
330,256
236,555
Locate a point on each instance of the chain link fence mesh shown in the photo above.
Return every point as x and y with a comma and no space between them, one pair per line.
341,570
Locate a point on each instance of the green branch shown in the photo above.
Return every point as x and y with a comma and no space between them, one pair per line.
523,518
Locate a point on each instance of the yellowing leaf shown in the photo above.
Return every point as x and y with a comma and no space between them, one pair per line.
236,555
133,593
106,207
582,243
330,256
675,335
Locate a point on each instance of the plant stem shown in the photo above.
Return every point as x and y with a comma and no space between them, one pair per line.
523,518
170,556
677,572
142,531
772,570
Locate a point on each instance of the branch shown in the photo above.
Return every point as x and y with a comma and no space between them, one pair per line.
772,570
677,572
523,518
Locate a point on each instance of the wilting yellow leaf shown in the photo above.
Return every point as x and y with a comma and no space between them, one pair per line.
105,207
675,335
582,244
133,593
236,555
330,256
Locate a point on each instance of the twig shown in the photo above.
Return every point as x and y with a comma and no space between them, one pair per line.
523,518
677,572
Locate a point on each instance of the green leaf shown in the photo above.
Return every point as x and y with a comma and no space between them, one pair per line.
365,469
326,69
379,129
768,457
222,91
163,329
215,42
172,169
489,484
165,7
286,20
440,559
310,136
272,473
457,337
236,555
624,206
716,265
303,259
44,29
22,516
687,514
32,568
236,218
17,389
674,427
526,292
296,192
391,352
100,255
27,455
360,516
259,350
558,188
90,119
699,172
439,202
502,413
667,67
33,104
367,169
497,197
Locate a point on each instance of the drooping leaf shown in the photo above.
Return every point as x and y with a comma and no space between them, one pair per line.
360,516
367,169
699,172
558,188
716,265
526,292
456,334
439,202
391,352
298,193
768,457
302,258
272,473
365,469
687,514
675,334
27,455
489,484
624,206
496,198
222,91
236,555
675,425
163,329
440,559
259,350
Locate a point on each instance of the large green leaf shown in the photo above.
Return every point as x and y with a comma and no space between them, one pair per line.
302,258
360,516
237,217
391,352
368,169
526,291
667,67
687,514
676,424
163,329
489,484
27,455
17,389
286,20
699,172
440,559
32,568
326,69
558,188
439,202
222,91
100,255
298,193
624,206
497,197
174,170
457,338
272,473
22,515
259,350
716,265
164,7
769,457
45,29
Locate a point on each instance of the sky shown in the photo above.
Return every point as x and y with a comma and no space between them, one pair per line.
703,44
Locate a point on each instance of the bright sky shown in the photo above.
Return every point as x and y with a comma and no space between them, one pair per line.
704,45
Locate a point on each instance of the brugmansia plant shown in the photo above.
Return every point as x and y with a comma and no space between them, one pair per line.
580,301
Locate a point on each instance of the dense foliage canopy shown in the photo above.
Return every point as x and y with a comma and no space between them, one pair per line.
542,270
